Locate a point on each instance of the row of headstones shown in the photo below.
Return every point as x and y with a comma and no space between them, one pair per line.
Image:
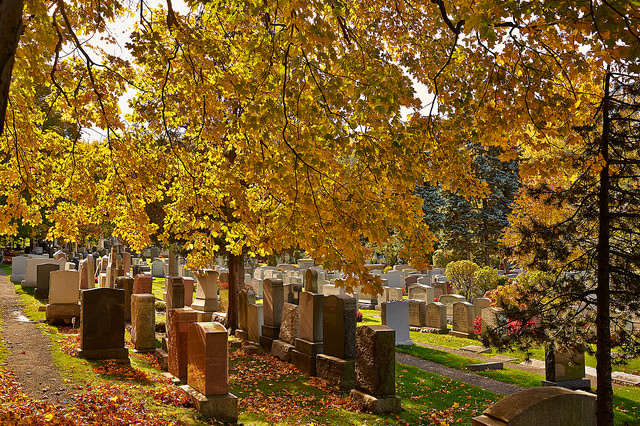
319,336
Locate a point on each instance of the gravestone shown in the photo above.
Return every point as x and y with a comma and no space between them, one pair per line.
83,277
208,372
63,296
102,324
395,315
174,289
126,263
436,319
19,268
256,284
31,274
273,302
311,281
178,321
255,321
375,385
143,322
565,369
306,264
541,406
395,279
392,293
480,303
292,293
141,269
463,318
157,269
336,365
490,319
448,300
126,284
142,284
417,313
207,292
283,346
332,290
42,284
309,343
246,297
189,284
421,292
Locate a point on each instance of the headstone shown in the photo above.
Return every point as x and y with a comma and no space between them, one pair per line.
63,296
311,281
395,314
436,318
306,264
31,274
140,269
42,286
246,297
189,285
417,313
421,292
479,303
309,343
207,292
174,287
126,262
565,369
292,293
256,284
273,302
126,284
283,346
102,324
143,322
336,365
463,320
392,293
541,406
490,319
178,321
157,269
255,321
332,290
208,372
375,385
142,284
19,268
395,279
448,300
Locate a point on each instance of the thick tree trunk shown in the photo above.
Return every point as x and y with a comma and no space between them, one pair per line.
10,30
236,283
603,339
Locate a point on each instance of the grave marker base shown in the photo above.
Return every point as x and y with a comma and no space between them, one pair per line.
381,405
281,350
62,311
242,334
119,355
337,372
223,408
462,335
579,384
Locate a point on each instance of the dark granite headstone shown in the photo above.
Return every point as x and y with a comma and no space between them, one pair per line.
126,284
339,326
42,280
102,324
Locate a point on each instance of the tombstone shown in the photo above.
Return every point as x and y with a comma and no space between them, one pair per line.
126,284
207,292
142,284
42,285
63,296
395,314
375,385
224,297
140,269
246,297
311,281
256,284
401,267
436,319
189,284
565,369
332,289
541,406
336,365
154,252
292,293
59,255
208,372
283,346
126,262
421,292
391,293
273,302
31,274
157,269
479,303
417,313
395,279
306,264
463,320
309,343
102,325
490,319
143,322
83,276
449,300
255,321
178,321
19,268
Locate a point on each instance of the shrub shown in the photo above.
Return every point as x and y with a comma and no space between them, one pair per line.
486,279
461,275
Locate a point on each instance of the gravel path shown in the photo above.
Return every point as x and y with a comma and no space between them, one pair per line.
485,383
29,355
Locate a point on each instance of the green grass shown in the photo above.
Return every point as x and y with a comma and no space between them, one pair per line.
626,405
6,268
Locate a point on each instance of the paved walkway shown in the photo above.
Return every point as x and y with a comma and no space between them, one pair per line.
485,383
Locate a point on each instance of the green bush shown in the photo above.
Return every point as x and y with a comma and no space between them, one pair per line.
461,275
486,279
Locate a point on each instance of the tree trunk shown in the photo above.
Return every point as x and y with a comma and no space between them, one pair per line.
10,30
236,283
604,410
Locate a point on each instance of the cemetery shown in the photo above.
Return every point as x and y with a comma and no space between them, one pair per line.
299,353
